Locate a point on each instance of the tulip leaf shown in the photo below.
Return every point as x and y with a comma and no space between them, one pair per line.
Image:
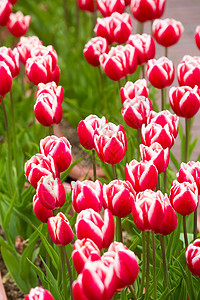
192,145
66,173
174,161
41,275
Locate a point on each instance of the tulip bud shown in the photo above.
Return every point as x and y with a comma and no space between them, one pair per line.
157,155
86,194
59,149
25,45
110,143
18,24
106,7
142,175
87,128
39,293
6,79
50,87
43,51
55,75
38,69
146,10
94,48
160,72
11,58
13,1
192,257
131,90
197,36
184,197
5,10
38,166
189,172
83,251
60,230
188,71
41,212
145,46
118,197
86,5
167,32
135,111
89,224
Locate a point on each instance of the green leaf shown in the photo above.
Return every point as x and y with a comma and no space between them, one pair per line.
174,161
66,173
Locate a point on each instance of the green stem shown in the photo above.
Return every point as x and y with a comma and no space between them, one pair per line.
148,267
163,95
185,231
114,172
187,133
144,262
103,89
140,28
94,165
65,13
120,84
69,271
158,183
143,71
94,17
77,22
162,243
195,224
138,143
51,130
9,147
166,52
165,182
132,292
22,74
14,132
64,278
119,230
154,267
191,287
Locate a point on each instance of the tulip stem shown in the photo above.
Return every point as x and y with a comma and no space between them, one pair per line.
132,292
69,271
162,243
166,52
114,172
102,89
94,17
22,74
65,13
185,231
64,279
187,133
77,22
154,267
118,229
9,165
140,27
148,267
143,71
144,262
94,165
158,183
138,143
14,132
51,130
163,96
195,224
165,181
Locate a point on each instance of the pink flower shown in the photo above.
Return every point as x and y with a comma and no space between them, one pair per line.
192,257
18,24
39,165
60,230
185,101
6,79
89,224
11,58
167,32
107,7
50,87
110,143
43,51
131,90
145,45
86,5
41,212
160,72
189,172
184,197
145,10
39,293
13,1
118,197
197,36
5,11
157,155
25,45
135,111
94,48
83,251
188,71
87,128
59,149
39,68
142,175
86,194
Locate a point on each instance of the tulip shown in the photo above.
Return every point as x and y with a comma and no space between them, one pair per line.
48,110
118,197
145,46
5,11
39,293
87,128
157,155
18,24
25,45
142,175
86,194
39,165
41,212
160,72
60,230
110,143
86,5
153,211
89,224
6,79
13,1
41,50
107,7
131,90
167,32
131,58
192,257
185,101
94,48
59,149
189,172
146,10
197,36
184,197
51,87
51,192
188,71
55,75
116,28
83,251
135,111
11,58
